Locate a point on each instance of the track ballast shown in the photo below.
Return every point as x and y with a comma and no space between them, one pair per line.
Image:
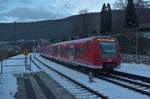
80,90
132,82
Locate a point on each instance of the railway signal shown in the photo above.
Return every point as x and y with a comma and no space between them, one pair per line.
26,53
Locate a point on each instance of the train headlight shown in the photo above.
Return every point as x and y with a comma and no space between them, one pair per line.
98,58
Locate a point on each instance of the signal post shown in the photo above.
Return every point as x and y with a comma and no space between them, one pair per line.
26,53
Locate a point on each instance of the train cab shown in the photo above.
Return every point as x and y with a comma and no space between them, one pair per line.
109,52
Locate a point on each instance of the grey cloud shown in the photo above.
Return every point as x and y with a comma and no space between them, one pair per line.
3,18
46,9
3,1
24,14
25,1
2,8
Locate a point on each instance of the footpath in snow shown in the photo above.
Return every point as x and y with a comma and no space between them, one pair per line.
8,82
138,69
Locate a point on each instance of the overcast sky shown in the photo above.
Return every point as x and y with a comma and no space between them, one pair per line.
37,10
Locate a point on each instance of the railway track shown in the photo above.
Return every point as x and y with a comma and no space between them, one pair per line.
77,89
132,82
140,87
132,76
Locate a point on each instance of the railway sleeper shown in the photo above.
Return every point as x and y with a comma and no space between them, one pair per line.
78,83
125,86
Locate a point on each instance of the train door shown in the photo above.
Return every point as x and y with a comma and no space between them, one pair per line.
59,52
71,53
88,56
79,53
49,50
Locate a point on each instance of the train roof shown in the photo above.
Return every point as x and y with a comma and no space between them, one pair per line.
82,40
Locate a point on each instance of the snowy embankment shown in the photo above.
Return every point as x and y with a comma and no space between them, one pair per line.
108,89
8,82
129,64
138,69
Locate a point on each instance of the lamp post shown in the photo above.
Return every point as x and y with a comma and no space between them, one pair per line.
136,37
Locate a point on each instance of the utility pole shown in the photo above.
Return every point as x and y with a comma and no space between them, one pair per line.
1,66
136,40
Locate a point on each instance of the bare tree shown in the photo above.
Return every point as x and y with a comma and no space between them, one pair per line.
142,3
121,4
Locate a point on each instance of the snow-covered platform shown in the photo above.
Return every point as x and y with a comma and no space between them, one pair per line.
16,82
39,85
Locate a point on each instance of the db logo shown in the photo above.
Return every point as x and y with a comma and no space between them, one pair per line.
109,60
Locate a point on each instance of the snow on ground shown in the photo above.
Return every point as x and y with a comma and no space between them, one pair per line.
108,89
8,82
138,69
8,86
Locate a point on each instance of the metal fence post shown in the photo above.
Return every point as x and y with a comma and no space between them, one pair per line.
30,62
1,66
91,77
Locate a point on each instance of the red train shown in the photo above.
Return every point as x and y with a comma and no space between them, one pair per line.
96,52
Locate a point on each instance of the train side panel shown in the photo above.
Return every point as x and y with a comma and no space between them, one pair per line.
86,52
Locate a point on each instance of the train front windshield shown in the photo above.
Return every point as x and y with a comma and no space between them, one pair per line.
108,48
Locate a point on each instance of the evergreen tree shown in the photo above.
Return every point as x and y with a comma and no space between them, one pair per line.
106,17
109,17
103,18
131,18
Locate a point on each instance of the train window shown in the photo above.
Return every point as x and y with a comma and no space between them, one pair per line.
78,52
55,50
81,51
108,48
59,51
70,51
64,51
49,49
75,52
67,51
